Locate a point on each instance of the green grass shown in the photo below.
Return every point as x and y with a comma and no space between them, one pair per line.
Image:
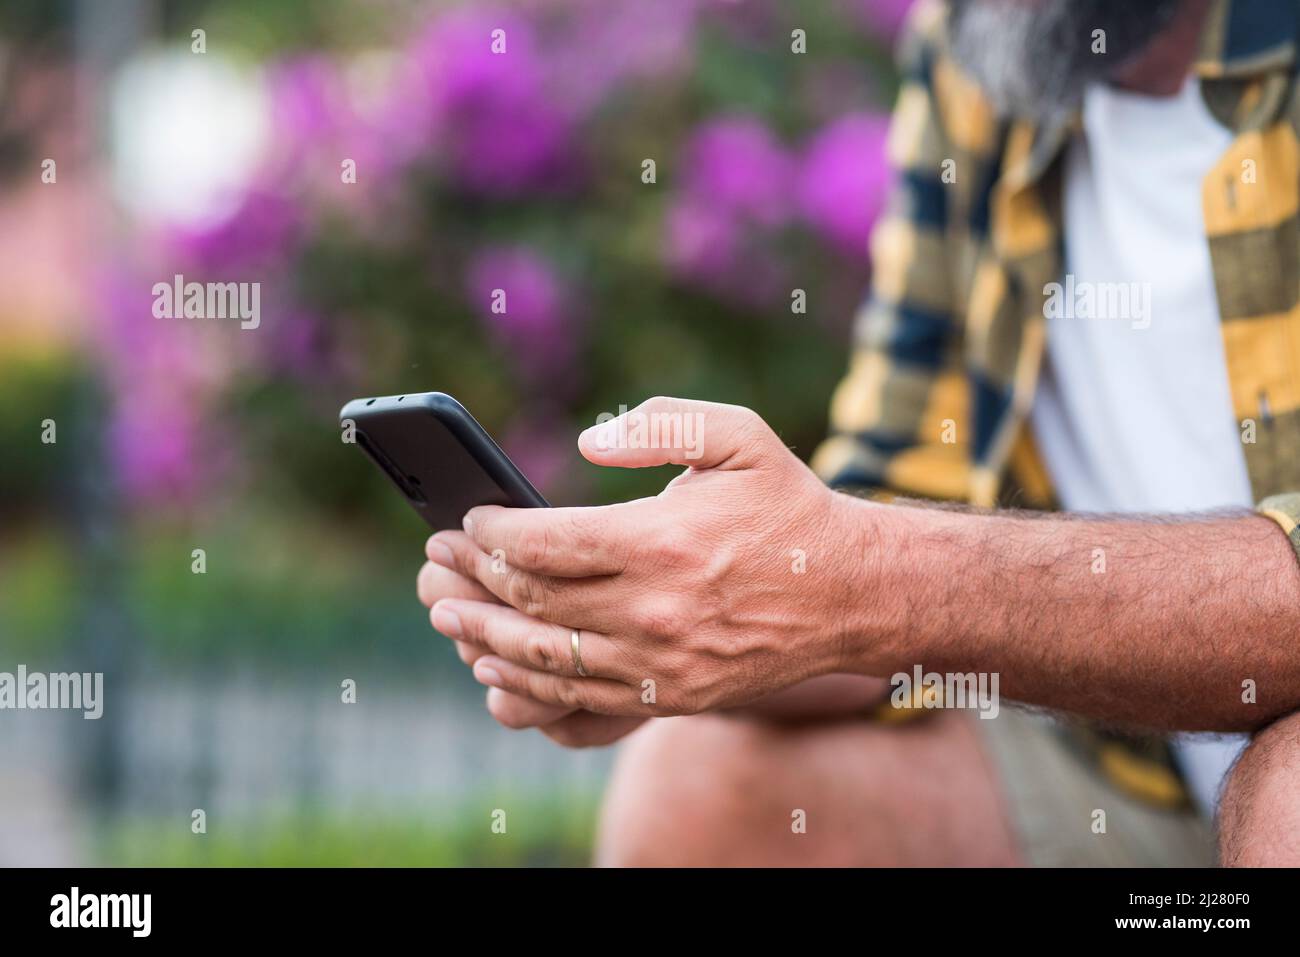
553,831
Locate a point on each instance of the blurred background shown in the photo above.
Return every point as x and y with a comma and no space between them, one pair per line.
474,171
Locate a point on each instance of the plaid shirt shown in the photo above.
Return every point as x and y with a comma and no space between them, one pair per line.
949,344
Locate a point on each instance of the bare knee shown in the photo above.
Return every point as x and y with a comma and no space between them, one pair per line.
1259,814
680,790
711,790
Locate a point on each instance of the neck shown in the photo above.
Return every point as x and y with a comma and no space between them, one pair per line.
1161,69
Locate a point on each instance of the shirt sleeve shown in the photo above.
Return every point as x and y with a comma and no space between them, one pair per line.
1285,510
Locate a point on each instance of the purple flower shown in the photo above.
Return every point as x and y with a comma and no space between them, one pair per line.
297,344
525,305
844,180
736,190
710,247
489,113
703,241
263,230
162,373
608,44
736,163
308,103
153,445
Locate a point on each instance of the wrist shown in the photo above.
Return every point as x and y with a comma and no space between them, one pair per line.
892,586
859,615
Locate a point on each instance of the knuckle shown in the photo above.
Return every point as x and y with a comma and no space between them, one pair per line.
541,653
684,701
676,669
683,617
581,538
716,567
533,547
754,425
668,618
754,437
476,627
568,695
675,550
482,565
521,591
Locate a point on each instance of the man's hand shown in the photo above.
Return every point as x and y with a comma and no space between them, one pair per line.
741,578
565,726
746,576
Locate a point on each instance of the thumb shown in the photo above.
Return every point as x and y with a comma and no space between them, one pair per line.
664,431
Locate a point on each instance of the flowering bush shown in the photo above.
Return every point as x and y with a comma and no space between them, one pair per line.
471,212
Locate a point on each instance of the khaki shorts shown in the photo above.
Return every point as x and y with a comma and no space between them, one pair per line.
1067,814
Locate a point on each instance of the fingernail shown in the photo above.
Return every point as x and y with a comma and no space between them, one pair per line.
440,554
447,621
488,675
468,524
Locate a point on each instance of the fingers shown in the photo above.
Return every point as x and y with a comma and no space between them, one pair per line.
591,694
469,653
438,581
568,542
575,602
582,729
535,644
664,431
515,712
570,729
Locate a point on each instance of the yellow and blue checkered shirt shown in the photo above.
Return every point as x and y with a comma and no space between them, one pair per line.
949,344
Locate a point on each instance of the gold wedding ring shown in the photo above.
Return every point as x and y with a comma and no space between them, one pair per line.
575,642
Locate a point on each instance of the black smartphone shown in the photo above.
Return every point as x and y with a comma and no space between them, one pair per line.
437,455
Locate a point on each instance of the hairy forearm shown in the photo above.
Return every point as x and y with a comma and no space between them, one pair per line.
1158,623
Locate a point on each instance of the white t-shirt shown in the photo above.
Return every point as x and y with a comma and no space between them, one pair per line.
1133,411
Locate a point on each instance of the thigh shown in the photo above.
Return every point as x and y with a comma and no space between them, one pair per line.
722,790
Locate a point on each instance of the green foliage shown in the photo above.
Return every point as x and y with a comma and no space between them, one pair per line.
545,830
36,388
38,585
279,589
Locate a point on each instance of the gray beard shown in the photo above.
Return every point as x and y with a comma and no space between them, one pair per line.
1033,59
